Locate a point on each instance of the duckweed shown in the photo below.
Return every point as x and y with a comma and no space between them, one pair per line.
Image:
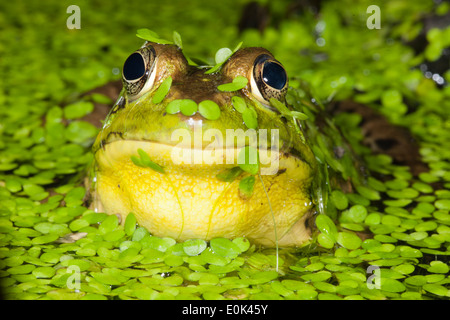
246,186
188,107
221,56
238,83
249,117
145,161
239,103
152,36
397,220
209,109
339,199
194,247
162,91
248,160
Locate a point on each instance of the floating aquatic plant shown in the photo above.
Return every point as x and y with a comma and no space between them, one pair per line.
54,247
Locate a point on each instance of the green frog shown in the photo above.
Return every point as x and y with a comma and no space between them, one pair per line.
200,153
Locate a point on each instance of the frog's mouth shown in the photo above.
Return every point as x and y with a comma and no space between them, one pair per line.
119,153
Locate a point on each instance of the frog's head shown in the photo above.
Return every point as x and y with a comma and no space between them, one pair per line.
191,131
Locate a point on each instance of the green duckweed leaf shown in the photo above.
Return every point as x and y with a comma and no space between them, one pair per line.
44,239
177,39
422,187
188,107
162,91
438,267
426,226
13,185
391,285
408,193
443,204
326,226
114,235
130,224
209,110
317,276
106,278
229,175
339,199
348,240
194,247
173,261
239,104
139,234
161,244
246,186
325,241
376,184
44,272
224,247
357,213
174,106
222,55
250,119
78,224
151,36
405,268
417,280
21,269
248,160
373,218
242,243
209,256
279,288
437,289
263,277
78,109
368,192
299,115
238,83
145,162
75,197
80,132
213,69
82,264
109,224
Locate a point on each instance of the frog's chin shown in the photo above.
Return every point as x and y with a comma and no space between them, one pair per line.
187,200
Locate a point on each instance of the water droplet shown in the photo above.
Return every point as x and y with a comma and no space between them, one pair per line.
320,42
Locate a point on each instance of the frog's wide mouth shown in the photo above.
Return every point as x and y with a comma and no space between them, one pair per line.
118,154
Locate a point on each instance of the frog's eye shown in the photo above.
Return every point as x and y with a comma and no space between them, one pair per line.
137,73
269,79
134,67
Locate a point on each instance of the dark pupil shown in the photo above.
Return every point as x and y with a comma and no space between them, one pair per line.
134,67
274,75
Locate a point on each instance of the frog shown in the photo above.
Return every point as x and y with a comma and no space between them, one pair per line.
195,184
